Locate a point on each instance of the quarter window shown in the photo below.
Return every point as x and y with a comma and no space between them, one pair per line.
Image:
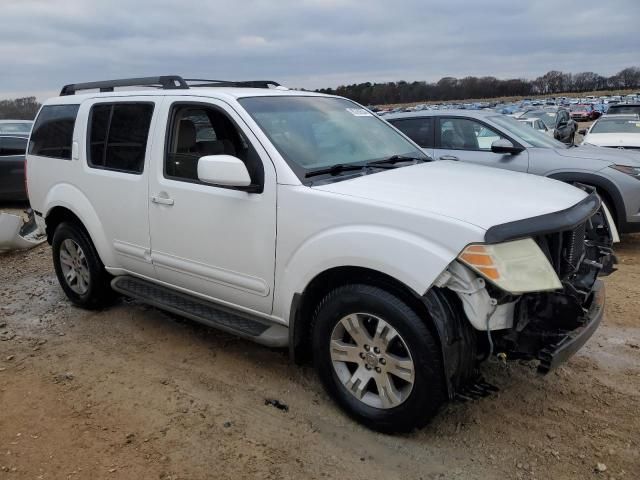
118,136
465,134
420,130
12,146
52,134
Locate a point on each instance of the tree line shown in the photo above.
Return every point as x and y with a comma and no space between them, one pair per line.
451,88
19,109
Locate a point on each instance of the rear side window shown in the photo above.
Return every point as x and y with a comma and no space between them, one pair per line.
12,146
52,133
420,130
118,136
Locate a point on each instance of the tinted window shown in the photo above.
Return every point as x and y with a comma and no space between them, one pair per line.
118,136
197,131
12,146
465,134
53,131
420,130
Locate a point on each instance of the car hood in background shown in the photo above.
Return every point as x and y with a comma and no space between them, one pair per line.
474,194
607,155
613,139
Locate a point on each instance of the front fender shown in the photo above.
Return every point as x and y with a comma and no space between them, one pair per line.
412,260
67,196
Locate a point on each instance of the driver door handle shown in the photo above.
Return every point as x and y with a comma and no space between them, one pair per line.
449,157
162,200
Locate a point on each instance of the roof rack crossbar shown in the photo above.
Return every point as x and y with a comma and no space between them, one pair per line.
231,83
166,82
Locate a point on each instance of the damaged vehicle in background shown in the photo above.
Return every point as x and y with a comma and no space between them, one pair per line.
327,231
13,148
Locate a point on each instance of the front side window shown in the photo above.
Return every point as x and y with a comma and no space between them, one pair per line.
528,135
52,134
118,135
466,134
420,130
12,146
198,130
319,132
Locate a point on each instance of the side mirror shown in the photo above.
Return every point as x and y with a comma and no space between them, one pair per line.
582,131
223,170
561,124
505,146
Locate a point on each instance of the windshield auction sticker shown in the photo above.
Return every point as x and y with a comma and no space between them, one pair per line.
358,112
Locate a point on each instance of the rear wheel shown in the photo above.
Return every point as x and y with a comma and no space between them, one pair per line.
377,358
80,272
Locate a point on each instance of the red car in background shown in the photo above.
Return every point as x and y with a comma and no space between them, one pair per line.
583,112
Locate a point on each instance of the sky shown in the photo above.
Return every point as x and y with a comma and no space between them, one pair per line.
45,44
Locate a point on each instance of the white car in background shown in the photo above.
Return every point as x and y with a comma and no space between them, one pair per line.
536,124
619,131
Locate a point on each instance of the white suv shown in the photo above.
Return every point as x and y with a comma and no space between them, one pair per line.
303,220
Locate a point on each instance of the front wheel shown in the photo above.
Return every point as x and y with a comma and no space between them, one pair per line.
377,359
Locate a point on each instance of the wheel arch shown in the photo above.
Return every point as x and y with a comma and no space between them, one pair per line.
440,309
605,188
67,203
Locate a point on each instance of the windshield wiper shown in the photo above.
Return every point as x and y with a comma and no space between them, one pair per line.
334,169
393,159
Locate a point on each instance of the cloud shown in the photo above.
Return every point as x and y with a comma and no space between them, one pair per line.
309,43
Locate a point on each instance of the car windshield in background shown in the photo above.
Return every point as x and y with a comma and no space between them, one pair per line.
624,110
15,127
579,108
548,118
533,137
616,125
312,133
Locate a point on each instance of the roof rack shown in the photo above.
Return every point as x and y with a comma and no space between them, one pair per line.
166,82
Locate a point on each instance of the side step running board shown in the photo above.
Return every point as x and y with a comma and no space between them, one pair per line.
244,325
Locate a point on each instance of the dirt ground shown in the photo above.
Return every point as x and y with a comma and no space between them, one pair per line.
134,393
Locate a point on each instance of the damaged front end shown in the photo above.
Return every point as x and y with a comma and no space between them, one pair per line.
549,323
16,233
552,326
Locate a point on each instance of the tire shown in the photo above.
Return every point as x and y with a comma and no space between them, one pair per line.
90,289
414,398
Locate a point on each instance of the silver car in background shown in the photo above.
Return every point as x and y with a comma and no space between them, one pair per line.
491,139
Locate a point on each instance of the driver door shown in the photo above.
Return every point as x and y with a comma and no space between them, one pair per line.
213,241
469,140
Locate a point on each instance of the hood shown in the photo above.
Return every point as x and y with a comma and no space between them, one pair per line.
613,139
607,155
474,194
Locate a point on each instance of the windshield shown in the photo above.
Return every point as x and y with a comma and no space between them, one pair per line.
622,109
531,136
575,108
548,118
320,132
616,125
17,127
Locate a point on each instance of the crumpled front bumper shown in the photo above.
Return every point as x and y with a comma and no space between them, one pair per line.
555,354
16,234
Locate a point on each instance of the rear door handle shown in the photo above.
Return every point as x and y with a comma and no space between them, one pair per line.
449,157
162,200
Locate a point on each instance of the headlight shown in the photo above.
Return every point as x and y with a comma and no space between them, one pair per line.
633,171
516,267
